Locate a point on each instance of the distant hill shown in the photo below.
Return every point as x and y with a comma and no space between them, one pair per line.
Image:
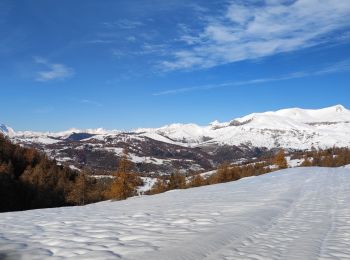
190,147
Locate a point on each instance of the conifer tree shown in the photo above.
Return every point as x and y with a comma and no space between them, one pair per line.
306,163
177,181
159,187
223,173
196,181
280,160
78,194
125,182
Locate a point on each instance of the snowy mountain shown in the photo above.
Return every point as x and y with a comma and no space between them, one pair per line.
4,129
194,147
300,213
288,128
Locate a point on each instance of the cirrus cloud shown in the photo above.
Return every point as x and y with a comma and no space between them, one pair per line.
254,29
53,71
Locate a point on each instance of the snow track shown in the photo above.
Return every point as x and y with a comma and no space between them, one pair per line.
301,213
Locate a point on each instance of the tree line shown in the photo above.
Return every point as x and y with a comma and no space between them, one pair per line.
332,157
30,180
227,172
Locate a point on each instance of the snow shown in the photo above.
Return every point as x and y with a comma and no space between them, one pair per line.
74,168
102,176
177,133
336,113
8,131
147,184
146,159
67,133
64,159
300,213
155,136
43,140
293,128
294,162
206,175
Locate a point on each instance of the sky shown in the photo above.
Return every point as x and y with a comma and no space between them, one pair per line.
124,64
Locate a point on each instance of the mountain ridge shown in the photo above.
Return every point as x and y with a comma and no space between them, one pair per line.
193,147
327,114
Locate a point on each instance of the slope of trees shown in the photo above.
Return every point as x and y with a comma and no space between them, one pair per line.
334,157
226,172
30,180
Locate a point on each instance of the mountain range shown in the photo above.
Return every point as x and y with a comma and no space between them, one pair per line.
191,147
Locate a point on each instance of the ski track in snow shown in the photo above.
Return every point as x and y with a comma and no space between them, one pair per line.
301,213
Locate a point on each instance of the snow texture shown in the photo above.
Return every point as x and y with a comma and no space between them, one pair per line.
300,213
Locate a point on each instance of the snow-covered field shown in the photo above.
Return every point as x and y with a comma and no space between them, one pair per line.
301,213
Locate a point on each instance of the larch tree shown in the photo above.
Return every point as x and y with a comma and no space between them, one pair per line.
280,160
177,181
78,195
159,187
125,182
196,181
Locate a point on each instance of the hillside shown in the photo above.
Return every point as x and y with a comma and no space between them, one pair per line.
30,180
300,213
190,147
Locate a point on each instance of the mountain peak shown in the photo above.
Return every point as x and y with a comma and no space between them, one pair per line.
339,108
4,129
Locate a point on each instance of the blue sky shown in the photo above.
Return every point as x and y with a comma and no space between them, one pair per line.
134,63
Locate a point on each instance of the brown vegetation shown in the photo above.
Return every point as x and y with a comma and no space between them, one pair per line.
334,157
30,180
280,160
125,182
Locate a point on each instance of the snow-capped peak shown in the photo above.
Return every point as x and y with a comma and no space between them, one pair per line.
216,124
331,114
4,129
292,128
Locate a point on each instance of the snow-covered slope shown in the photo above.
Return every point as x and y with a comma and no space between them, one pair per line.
301,213
289,128
194,147
4,129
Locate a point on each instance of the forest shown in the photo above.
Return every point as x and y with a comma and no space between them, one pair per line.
30,180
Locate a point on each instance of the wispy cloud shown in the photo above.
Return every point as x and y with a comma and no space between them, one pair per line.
252,29
144,49
98,41
43,110
91,103
53,71
342,66
124,24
